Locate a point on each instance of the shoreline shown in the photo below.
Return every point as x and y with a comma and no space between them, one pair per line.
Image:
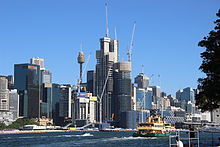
57,131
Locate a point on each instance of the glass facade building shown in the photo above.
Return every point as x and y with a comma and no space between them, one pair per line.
187,94
27,82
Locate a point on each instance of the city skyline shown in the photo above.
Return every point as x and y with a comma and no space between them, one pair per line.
54,31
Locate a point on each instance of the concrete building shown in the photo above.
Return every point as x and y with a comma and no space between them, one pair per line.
122,89
4,94
14,103
85,109
142,81
38,61
10,79
9,102
215,116
156,91
134,97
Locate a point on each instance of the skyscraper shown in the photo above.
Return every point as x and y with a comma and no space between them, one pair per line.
14,103
91,79
8,101
142,81
4,93
156,91
187,94
121,100
106,57
27,82
65,101
45,88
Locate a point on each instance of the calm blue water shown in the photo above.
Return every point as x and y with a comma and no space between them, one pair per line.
98,139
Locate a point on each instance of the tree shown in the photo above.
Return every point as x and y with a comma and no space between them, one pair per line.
2,126
21,122
208,98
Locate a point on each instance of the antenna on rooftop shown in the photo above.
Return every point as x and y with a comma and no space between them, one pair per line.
106,19
115,34
142,68
81,46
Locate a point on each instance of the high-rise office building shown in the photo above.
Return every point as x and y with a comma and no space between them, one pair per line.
142,81
134,97
56,93
46,94
187,94
91,79
38,61
27,82
10,82
14,103
122,89
3,83
140,96
8,101
106,57
144,98
156,91
4,93
65,101
45,88
149,94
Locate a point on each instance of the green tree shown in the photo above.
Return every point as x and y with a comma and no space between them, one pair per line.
21,122
208,98
2,126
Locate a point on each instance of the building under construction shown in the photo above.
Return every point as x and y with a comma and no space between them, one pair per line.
122,89
113,81
106,57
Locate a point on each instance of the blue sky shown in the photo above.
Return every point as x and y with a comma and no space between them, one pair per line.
165,41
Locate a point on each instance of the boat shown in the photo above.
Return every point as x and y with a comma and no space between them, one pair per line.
154,127
86,134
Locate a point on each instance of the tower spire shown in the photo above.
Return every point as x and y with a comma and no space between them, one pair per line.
142,68
106,19
115,34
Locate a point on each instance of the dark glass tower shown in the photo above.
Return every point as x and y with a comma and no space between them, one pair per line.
91,81
27,82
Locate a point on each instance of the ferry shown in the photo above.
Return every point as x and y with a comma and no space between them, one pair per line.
155,127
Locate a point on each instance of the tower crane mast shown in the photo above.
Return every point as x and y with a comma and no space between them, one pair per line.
131,43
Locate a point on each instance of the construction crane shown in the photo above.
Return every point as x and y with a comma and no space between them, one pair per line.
131,43
100,98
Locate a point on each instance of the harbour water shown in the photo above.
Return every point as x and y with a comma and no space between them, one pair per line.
96,139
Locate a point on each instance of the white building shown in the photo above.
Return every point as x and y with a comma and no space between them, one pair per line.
38,61
4,94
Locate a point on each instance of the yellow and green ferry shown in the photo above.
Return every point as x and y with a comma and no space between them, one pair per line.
155,127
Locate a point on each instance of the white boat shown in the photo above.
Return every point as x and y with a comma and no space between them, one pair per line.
86,134
33,127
